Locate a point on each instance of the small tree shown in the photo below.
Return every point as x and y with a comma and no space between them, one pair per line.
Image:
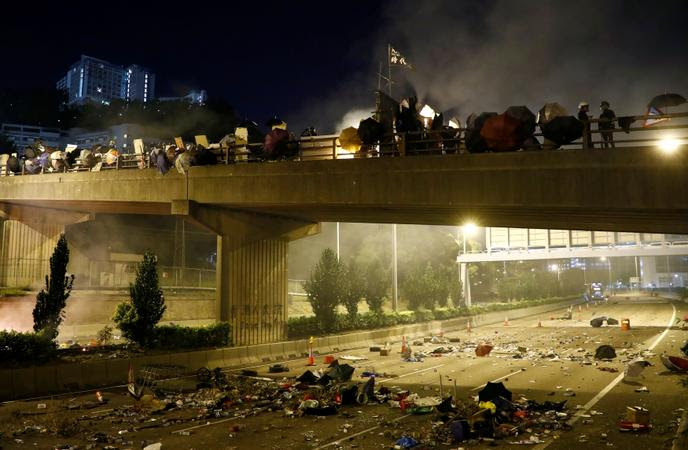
137,318
353,288
50,301
324,289
376,285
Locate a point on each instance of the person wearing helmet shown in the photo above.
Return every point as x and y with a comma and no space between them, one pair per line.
583,110
606,125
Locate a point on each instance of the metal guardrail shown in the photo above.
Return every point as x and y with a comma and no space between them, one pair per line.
427,142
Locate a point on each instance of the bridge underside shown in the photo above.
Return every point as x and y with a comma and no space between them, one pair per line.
254,209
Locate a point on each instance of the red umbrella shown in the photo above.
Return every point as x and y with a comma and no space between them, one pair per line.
502,133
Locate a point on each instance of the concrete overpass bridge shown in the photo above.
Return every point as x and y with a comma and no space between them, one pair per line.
255,209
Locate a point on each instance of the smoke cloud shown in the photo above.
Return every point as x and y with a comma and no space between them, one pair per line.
485,57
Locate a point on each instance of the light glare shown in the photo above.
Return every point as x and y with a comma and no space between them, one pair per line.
669,145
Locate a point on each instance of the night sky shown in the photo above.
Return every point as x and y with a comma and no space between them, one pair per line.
312,62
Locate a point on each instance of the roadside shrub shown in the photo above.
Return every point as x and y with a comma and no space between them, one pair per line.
51,301
26,347
138,317
324,290
303,327
175,336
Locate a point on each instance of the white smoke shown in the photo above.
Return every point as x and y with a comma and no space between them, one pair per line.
352,119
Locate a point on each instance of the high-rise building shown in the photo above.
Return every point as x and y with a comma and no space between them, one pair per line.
139,84
96,80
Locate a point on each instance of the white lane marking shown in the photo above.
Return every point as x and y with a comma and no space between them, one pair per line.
497,379
359,433
616,380
207,424
411,373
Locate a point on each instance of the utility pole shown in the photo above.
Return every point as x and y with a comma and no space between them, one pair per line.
394,286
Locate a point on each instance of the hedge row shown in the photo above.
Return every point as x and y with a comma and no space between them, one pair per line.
302,327
176,337
16,347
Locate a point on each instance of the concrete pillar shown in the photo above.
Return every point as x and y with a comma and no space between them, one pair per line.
251,272
29,236
466,284
648,271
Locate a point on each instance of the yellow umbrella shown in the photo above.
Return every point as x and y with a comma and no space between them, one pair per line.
349,140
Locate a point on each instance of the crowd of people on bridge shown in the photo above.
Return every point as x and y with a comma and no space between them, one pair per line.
403,129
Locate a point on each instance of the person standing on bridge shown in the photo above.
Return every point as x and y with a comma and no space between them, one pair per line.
583,110
607,119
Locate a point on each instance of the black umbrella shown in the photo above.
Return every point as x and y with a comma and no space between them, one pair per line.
341,372
494,390
307,377
474,141
562,130
666,100
13,164
274,121
523,115
370,131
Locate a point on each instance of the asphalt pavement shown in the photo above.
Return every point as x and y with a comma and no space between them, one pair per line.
540,357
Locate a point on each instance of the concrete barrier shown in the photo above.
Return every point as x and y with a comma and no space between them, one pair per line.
31,381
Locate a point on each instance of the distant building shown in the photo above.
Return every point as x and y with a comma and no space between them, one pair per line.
95,80
24,135
198,97
123,135
139,84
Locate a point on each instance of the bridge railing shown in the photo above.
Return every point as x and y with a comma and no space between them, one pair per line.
426,142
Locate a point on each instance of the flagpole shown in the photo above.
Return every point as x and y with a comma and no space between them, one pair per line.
389,68
379,77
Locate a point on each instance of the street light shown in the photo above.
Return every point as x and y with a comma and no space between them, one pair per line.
468,229
669,145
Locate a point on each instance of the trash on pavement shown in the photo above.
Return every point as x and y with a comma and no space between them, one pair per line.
674,363
483,349
492,391
605,352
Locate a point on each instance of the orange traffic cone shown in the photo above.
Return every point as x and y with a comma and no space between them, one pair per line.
403,344
506,321
311,358
468,326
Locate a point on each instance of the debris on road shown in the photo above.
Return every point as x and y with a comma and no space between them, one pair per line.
605,352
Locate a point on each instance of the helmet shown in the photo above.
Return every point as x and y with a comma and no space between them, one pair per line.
604,104
582,105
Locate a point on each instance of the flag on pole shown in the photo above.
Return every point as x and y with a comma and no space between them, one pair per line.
652,111
397,59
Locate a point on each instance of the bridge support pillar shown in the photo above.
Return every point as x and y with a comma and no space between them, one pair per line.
465,284
28,237
251,283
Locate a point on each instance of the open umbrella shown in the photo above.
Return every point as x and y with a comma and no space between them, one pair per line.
349,140
525,116
666,100
474,141
550,111
562,130
502,133
370,131
494,390
276,143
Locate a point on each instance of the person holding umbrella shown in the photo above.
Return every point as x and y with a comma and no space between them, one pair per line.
607,118
583,110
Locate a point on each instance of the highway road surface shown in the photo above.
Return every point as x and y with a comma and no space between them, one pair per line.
541,358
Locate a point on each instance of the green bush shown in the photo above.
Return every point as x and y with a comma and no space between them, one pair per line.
138,317
175,336
302,327
26,347
48,312
324,290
